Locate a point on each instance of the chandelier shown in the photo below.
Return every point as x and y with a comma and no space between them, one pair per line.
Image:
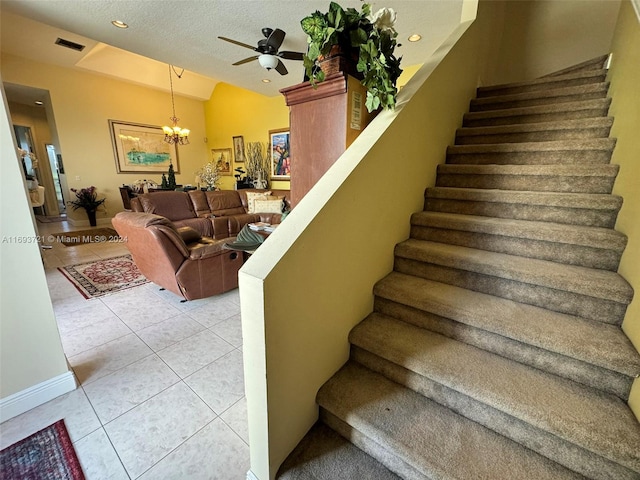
175,134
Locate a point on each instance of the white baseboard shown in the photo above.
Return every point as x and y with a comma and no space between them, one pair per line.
20,402
251,476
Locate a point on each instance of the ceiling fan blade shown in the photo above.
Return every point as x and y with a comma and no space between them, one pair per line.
275,39
246,60
280,68
238,43
291,55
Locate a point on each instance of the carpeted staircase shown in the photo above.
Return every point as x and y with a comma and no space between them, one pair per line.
495,349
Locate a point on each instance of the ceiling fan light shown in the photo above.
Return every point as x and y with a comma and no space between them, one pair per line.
268,61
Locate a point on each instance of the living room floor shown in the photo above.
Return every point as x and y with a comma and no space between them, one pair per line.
161,391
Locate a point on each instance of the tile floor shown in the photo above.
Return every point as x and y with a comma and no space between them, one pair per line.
161,393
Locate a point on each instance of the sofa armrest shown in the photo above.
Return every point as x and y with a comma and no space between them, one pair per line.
211,248
271,218
189,235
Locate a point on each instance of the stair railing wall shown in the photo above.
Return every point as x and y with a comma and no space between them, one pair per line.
304,289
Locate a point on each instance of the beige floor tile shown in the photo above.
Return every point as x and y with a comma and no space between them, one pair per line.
214,312
146,434
230,330
119,392
98,458
236,418
195,352
93,335
164,334
108,358
214,453
221,383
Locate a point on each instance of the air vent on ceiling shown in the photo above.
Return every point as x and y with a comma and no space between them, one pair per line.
69,44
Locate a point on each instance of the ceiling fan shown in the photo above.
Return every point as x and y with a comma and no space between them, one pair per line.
267,48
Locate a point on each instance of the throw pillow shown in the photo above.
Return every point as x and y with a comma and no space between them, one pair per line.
252,197
268,206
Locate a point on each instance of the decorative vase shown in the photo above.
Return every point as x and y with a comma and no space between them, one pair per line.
340,60
92,217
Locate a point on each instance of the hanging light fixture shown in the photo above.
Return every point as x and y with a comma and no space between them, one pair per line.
175,134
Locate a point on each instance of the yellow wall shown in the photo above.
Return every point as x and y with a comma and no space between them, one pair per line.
625,108
84,102
234,111
543,36
30,347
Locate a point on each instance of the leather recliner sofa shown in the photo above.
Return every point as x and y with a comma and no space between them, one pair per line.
178,259
217,214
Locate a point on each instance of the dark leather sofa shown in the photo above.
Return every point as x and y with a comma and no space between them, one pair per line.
217,214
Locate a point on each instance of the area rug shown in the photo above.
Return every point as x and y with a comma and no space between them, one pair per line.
45,455
102,277
80,237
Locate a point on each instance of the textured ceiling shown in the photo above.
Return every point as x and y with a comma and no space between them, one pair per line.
184,33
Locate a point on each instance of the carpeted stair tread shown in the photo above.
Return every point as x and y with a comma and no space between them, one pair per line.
545,178
557,95
556,199
531,132
596,63
434,441
541,113
574,151
591,342
597,422
599,284
544,83
324,455
597,237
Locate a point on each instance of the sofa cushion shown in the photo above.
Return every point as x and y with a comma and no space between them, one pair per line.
200,204
253,197
171,205
223,203
201,225
268,206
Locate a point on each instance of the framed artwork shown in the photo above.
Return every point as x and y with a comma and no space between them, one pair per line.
279,153
238,148
222,159
141,148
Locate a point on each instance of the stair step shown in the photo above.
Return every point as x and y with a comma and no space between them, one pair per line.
582,128
596,210
539,178
593,64
592,247
589,432
589,151
324,455
558,95
546,83
592,353
420,439
541,113
598,295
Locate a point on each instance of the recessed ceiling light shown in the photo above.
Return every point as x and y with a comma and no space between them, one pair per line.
119,24
266,80
38,102
415,38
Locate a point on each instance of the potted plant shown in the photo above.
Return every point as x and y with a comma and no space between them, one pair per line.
370,39
87,198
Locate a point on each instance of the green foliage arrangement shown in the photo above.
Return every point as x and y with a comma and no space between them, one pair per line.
373,37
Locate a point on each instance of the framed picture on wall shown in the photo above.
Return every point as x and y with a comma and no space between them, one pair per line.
279,154
141,148
238,148
222,159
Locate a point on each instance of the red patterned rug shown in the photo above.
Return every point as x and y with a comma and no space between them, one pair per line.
45,455
102,277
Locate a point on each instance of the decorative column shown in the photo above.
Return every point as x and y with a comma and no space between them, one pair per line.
323,122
